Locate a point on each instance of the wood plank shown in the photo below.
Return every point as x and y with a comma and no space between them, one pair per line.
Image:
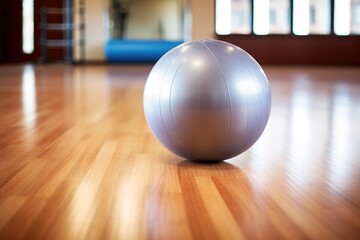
78,161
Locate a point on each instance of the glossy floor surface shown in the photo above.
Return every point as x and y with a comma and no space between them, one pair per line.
77,161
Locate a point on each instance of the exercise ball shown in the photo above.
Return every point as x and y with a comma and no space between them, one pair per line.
207,100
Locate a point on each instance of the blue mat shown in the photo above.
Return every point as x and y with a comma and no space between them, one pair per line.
137,50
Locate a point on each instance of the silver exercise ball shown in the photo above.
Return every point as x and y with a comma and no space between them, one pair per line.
207,100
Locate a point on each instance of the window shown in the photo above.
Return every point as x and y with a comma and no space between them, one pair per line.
311,17
240,16
261,17
355,20
279,16
299,17
233,16
347,17
319,17
28,26
223,16
271,17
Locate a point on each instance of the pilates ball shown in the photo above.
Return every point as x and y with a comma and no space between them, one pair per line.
207,100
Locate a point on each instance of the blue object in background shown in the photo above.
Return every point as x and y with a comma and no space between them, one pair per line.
137,50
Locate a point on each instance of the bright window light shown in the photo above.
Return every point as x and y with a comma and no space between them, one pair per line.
319,16
223,17
28,26
241,15
29,97
356,13
301,17
342,17
261,17
279,16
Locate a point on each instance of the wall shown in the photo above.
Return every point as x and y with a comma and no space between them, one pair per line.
95,34
203,18
291,49
156,19
202,15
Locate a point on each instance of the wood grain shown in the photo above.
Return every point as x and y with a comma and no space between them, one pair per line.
77,161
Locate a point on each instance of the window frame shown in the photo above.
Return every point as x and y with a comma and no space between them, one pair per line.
291,23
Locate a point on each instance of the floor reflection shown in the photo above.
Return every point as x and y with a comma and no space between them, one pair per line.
29,99
342,150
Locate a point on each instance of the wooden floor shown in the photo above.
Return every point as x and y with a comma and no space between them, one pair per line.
77,161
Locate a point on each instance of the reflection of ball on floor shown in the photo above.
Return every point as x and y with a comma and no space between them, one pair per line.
207,100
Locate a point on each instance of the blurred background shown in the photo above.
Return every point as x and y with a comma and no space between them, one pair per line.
273,31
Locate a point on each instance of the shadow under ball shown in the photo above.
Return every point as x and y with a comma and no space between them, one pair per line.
207,100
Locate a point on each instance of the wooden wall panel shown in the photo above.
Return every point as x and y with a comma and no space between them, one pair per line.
305,50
